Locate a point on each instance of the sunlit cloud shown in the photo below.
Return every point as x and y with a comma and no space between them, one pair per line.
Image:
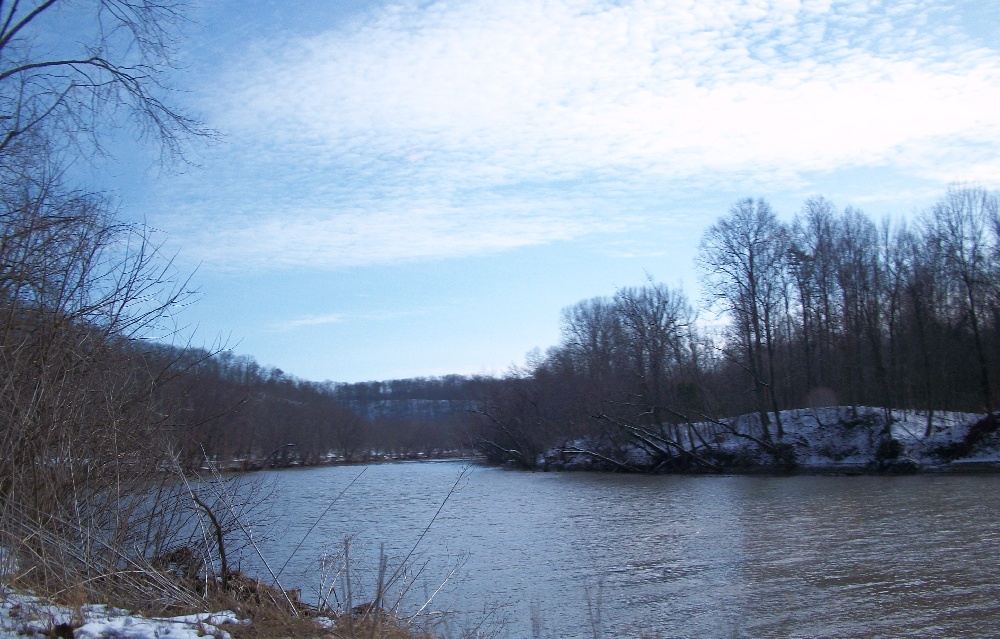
448,130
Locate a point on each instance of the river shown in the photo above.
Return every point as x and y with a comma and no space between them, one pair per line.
584,555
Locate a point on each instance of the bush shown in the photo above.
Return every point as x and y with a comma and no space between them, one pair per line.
889,449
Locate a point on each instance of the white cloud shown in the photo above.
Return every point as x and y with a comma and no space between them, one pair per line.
417,230
309,321
454,129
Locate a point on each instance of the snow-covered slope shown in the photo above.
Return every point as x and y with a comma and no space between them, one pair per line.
864,437
834,438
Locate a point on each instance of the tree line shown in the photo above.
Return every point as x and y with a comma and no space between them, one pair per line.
235,412
830,308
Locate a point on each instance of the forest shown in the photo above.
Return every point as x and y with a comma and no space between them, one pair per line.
229,410
829,308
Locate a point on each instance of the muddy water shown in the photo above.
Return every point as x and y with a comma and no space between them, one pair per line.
560,555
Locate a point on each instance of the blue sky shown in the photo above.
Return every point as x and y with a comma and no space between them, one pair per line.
417,188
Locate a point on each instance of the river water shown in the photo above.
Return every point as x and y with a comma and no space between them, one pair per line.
584,555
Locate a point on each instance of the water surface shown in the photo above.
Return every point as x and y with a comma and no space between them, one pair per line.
700,556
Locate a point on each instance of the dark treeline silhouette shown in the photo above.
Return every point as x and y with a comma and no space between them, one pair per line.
447,388
833,308
231,410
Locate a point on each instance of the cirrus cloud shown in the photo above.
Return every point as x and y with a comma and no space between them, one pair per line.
453,129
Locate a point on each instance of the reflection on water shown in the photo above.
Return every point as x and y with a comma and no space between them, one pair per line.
679,556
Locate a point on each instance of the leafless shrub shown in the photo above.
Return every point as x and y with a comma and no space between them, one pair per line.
81,430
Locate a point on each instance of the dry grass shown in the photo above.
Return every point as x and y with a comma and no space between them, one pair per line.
267,609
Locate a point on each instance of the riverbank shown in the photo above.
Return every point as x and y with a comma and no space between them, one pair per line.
26,616
841,440
251,464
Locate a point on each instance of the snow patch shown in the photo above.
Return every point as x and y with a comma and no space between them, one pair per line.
25,616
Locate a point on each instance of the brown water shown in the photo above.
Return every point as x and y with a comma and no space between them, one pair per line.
697,557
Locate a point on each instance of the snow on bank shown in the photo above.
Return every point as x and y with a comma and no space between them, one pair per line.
837,438
24,616
845,437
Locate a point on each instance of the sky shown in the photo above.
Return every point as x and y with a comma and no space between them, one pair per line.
417,188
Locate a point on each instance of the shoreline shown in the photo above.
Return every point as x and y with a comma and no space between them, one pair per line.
844,470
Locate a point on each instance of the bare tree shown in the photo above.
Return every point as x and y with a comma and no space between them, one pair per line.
923,265
591,335
81,430
859,275
81,425
962,221
895,263
742,257
110,66
812,263
657,323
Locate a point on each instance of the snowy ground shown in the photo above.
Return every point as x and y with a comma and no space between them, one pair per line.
838,438
833,436
24,616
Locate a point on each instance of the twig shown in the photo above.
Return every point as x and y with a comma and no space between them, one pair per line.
227,500
402,566
434,594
